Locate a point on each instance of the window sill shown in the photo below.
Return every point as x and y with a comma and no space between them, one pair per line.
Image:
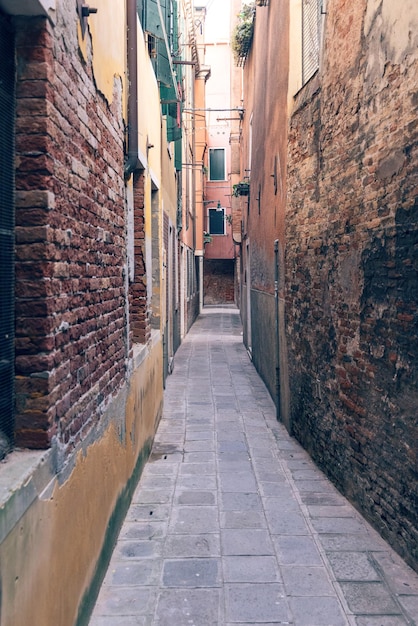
24,476
306,93
140,351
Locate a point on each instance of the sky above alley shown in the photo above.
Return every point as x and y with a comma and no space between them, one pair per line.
217,18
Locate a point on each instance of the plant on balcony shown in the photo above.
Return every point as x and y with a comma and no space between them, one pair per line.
242,34
241,189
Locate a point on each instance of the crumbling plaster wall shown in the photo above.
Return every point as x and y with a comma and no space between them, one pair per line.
351,262
84,393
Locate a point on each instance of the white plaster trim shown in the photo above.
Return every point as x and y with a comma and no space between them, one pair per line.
24,474
154,180
30,7
141,158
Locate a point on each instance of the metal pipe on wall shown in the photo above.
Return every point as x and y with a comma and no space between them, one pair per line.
276,320
132,163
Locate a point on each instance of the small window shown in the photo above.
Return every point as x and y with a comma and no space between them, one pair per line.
217,221
151,45
217,164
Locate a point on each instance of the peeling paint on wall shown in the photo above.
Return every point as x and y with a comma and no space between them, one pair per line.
391,33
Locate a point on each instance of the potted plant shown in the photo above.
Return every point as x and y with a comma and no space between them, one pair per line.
207,237
241,189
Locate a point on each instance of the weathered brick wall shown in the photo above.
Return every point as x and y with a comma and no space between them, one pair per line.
239,207
352,281
139,310
70,239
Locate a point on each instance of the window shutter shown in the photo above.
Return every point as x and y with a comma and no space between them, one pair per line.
165,31
311,20
152,24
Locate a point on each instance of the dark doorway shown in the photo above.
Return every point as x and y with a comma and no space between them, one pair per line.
218,281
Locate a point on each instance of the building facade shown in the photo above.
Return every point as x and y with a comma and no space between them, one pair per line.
332,229
222,119
190,265
263,164
90,288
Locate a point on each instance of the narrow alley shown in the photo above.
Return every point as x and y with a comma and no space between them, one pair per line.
232,523
228,189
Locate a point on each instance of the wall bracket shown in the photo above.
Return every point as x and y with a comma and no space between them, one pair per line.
84,11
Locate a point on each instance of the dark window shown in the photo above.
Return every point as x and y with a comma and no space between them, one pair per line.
7,184
190,273
152,45
217,221
217,164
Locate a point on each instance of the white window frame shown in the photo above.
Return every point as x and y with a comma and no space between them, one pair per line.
224,160
218,210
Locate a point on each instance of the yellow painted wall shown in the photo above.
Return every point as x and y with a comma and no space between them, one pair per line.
159,170
107,29
105,43
47,561
149,109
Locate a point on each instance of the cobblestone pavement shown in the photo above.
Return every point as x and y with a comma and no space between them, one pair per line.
232,523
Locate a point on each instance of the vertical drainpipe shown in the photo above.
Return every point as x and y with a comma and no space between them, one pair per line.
193,79
132,162
193,154
276,330
201,283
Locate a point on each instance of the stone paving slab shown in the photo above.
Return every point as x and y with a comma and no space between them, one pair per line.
307,581
255,603
191,573
319,610
250,569
233,524
203,545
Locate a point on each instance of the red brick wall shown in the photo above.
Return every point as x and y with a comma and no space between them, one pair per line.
352,286
140,315
70,241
